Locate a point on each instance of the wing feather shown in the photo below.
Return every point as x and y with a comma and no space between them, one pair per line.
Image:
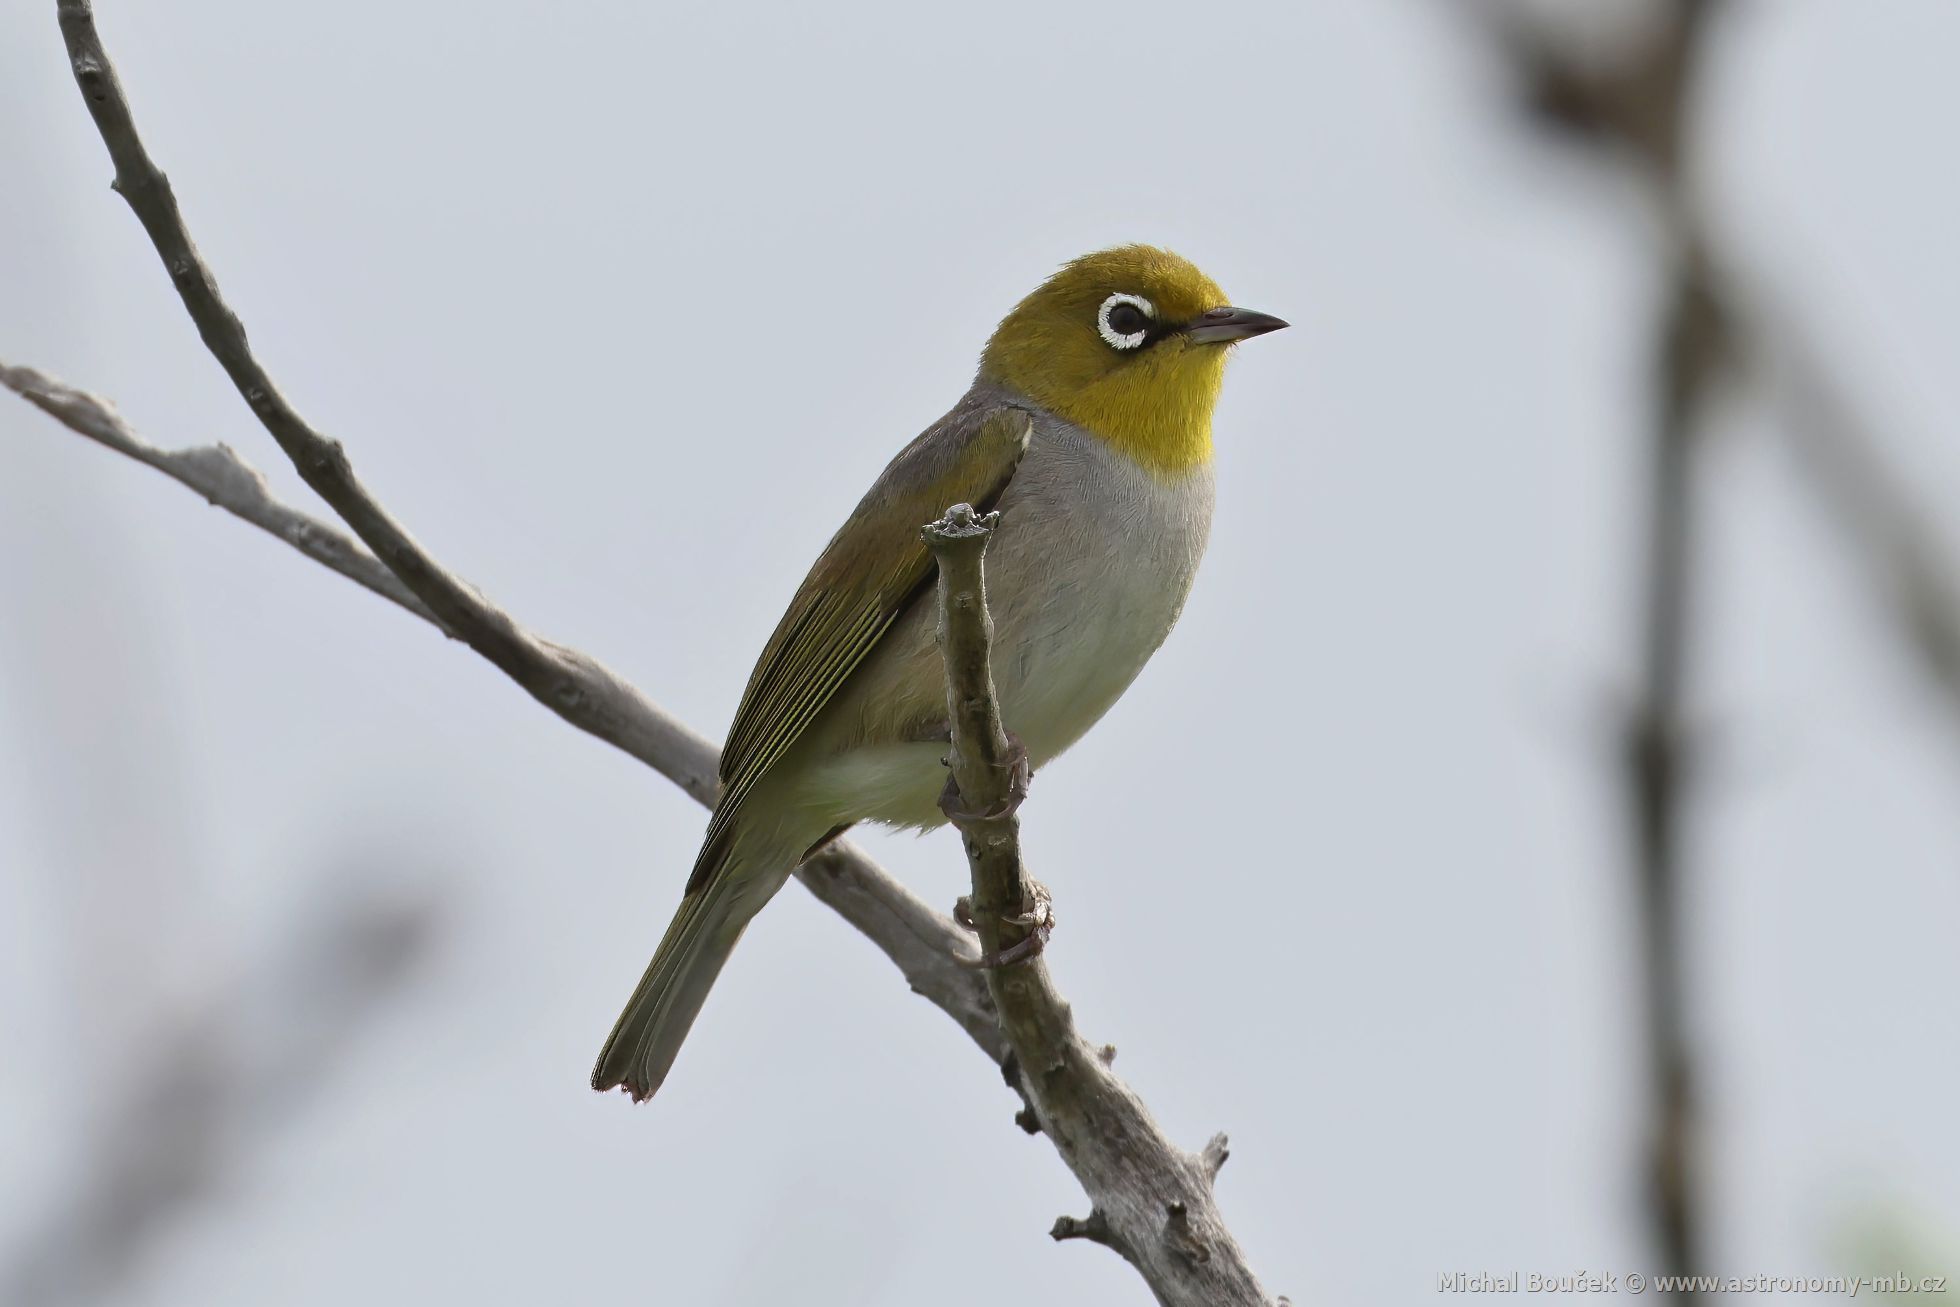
872,570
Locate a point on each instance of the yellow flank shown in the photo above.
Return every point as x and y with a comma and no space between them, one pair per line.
1153,403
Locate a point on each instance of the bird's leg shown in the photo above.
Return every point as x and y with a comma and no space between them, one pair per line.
1037,917
1020,777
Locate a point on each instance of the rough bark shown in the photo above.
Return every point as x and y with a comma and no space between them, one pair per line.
925,945
1151,1201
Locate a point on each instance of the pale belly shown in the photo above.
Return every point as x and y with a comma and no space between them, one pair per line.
1085,578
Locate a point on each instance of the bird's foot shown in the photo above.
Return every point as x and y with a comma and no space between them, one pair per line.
1020,777
1037,917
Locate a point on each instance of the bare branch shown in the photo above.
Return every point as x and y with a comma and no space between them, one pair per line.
924,944
1216,1152
1154,1198
217,473
1151,1201
1095,1228
556,677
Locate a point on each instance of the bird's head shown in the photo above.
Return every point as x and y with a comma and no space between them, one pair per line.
1129,344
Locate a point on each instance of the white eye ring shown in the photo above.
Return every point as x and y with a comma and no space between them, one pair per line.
1117,339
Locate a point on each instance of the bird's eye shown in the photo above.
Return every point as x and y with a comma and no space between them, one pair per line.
1124,320
1127,320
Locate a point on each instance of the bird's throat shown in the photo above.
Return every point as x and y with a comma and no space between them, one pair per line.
1167,443
1158,414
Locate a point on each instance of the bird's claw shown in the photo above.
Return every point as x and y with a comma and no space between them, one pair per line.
1037,917
1037,909
1029,947
1020,777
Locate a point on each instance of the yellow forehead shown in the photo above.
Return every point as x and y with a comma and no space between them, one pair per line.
1169,281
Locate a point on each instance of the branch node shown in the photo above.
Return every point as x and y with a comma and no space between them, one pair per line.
1010,1074
1216,1151
1095,1229
1103,1132
1179,1235
1010,1070
959,525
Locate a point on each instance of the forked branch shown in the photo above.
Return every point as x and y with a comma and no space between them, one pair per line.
1151,1200
926,946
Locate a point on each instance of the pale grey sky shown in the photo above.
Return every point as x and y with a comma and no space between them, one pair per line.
621,312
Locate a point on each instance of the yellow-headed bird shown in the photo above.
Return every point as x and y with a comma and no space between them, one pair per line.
1089,428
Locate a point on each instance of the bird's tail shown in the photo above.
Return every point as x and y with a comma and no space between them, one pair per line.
649,1032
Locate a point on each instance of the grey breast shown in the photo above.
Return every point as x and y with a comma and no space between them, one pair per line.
1091,568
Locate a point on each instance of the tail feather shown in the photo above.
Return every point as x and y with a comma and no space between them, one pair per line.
648,1034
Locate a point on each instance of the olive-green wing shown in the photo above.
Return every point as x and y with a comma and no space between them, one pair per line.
869,573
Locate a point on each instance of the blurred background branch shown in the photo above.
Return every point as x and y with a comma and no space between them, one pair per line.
1843,464
1635,110
212,1083
1493,414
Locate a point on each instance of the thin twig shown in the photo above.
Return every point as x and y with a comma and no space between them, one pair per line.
220,475
1150,1200
556,677
1157,1197
927,946
924,944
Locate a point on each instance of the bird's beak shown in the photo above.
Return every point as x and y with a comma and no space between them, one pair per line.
1222,326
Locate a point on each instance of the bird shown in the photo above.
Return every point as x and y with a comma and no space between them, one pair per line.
1088,428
